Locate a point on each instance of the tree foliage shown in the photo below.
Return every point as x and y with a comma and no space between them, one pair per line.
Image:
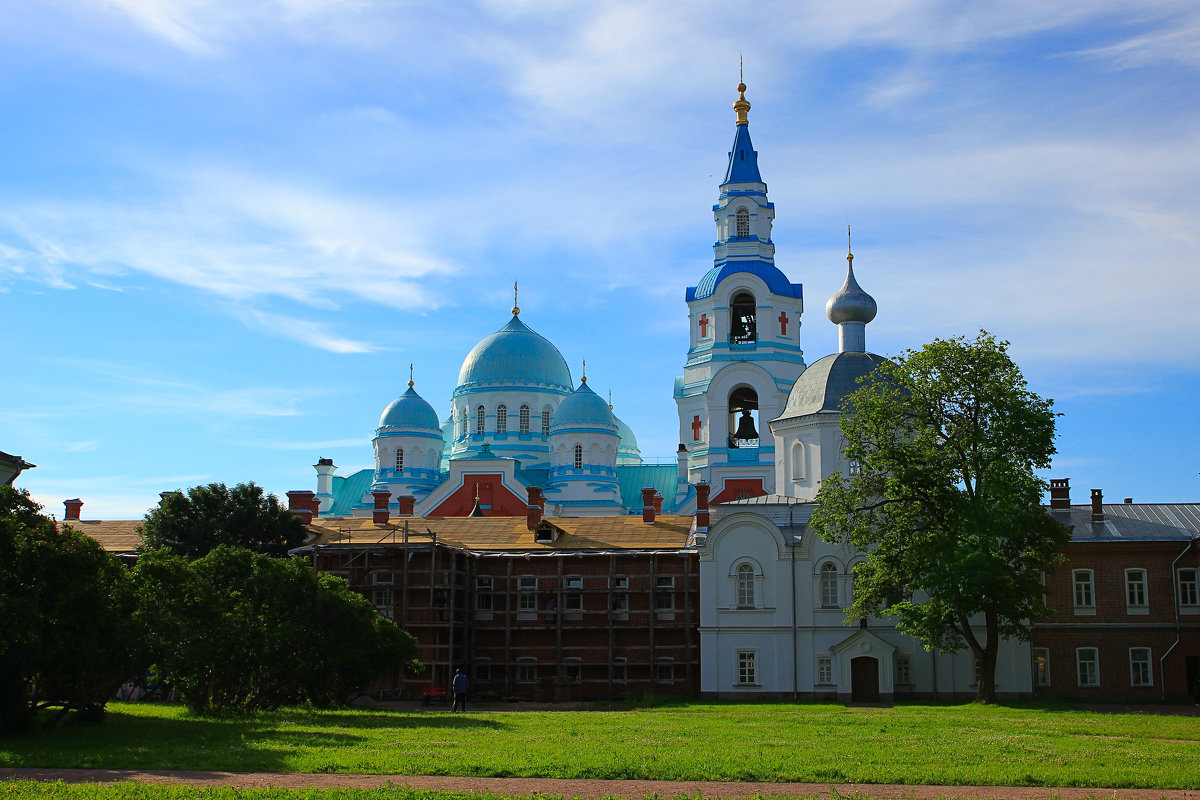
68,638
192,524
237,631
946,501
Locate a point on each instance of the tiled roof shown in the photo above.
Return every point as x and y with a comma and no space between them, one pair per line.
115,535
511,533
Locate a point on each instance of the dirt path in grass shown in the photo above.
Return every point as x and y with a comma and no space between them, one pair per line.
588,789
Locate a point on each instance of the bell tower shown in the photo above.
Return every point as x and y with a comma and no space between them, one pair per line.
744,343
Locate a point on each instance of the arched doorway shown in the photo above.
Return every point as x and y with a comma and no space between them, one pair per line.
864,680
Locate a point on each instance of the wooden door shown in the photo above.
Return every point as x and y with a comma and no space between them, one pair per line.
864,680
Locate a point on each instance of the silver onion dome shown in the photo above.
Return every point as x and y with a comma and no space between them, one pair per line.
851,303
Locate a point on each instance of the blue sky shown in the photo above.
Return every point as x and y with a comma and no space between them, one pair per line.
227,227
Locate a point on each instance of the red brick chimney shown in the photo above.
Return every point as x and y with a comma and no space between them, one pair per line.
1097,505
648,506
380,514
533,511
301,504
72,509
1060,494
658,501
406,502
702,490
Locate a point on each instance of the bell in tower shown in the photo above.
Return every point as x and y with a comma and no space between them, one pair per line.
743,407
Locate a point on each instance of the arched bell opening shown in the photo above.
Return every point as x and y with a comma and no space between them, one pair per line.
743,312
743,417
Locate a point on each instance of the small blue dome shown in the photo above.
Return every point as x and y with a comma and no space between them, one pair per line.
627,450
410,410
514,355
583,407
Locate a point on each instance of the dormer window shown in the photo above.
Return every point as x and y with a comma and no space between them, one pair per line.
743,223
743,312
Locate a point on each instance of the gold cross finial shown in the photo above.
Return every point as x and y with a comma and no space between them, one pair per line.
741,105
410,376
610,399
849,249
585,370
516,309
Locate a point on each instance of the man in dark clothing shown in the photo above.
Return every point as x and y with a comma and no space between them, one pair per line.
459,686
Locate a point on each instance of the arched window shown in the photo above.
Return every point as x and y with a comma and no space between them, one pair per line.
743,223
480,418
502,418
799,462
578,456
743,318
829,587
524,418
546,422
462,422
745,586
399,459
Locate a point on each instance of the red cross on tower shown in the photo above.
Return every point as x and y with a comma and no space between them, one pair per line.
783,323
696,429
703,327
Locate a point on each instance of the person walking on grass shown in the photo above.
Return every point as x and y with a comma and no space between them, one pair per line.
459,686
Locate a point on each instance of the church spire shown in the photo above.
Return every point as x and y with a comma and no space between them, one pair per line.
743,159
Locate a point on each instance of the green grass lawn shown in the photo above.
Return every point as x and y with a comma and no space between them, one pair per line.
1028,745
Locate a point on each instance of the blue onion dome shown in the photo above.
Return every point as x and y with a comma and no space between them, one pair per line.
851,303
583,407
514,355
628,440
410,410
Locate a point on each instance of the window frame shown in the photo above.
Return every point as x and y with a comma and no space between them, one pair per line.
664,671
747,667
1040,659
399,459
1134,665
502,418
824,670
484,587
1191,596
526,670
545,422
1083,592
741,223
745,584
577,461
1137,593
1094,661
828,581
523,422
903,665
480,421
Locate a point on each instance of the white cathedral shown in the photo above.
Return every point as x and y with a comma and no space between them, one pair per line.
757,427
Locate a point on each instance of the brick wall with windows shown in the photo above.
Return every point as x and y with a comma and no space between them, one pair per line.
1129,625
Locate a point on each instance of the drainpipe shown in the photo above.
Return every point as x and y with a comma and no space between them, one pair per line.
1162,668
795,633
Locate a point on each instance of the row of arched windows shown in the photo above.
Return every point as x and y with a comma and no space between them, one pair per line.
523,420
746,585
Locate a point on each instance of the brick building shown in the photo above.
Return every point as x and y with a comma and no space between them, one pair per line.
1127,606
533,608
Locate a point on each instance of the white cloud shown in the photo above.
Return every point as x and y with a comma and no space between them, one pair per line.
309,332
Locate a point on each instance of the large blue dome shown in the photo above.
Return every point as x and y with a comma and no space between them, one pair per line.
514,355
410,410
583,407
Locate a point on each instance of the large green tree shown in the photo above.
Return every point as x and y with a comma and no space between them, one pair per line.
192,524
237,631
67,634
945,499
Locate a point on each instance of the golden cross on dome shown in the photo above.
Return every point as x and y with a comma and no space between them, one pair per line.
516,308
585,370
849,249
410,375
